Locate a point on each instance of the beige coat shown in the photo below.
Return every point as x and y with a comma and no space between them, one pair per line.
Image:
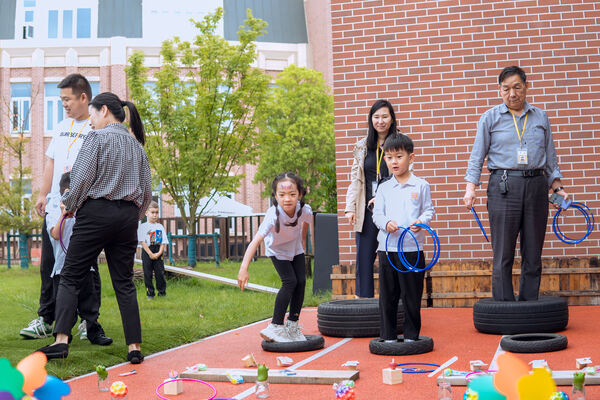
355,196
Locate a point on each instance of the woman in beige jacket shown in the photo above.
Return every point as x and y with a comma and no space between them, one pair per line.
368,170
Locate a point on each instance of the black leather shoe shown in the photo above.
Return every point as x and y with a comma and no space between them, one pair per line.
135,357
60,350
97,336
101,340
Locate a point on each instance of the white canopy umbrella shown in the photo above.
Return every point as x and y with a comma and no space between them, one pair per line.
221,206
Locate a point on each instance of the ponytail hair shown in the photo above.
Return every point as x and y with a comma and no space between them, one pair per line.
287,176
116,108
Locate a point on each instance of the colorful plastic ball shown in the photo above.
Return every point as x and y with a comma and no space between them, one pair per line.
559,396
470,395
118,389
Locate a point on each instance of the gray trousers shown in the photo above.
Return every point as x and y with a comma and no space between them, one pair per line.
522,211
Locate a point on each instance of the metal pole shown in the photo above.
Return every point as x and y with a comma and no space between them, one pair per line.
216,247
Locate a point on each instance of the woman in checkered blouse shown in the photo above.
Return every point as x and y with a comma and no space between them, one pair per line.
111,189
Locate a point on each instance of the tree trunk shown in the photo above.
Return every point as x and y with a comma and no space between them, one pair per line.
23,250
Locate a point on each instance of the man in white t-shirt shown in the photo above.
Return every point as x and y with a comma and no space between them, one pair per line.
75,93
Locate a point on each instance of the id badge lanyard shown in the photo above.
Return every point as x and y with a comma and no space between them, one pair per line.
375,184
521,152
74,140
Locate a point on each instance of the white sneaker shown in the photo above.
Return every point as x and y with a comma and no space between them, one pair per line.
82,330
37,329
275,333
294,332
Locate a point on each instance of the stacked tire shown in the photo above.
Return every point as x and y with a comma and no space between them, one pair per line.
353,318
546,315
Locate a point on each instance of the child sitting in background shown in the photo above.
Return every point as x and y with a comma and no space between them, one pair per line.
153,238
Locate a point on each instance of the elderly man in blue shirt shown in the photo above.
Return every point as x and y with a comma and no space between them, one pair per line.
517,139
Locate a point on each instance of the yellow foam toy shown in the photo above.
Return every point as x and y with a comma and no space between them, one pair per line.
537,386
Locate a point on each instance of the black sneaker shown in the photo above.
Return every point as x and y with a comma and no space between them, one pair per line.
135,357
60,350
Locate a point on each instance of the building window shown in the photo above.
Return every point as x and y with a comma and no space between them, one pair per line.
67,24
52,24
95,85
84,22
20,100
26,186
53,110
28,19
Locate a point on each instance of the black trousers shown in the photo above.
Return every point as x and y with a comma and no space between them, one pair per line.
88,300
158,268
522,211
111,225
293,282
366,251
395,285
47,295
49,286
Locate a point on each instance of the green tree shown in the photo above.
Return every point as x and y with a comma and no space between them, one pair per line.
17,211
298,135
201,116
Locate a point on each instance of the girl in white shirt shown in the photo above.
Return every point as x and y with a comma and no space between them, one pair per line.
284,231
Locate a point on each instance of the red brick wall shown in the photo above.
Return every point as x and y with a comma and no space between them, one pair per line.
438,63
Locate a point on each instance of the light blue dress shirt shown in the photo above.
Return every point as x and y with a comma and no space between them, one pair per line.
497,139
403,203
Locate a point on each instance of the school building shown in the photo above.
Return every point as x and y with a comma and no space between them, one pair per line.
438,63
43,41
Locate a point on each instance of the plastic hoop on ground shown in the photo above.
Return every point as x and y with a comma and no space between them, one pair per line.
416,370
589,222
436,244
410,268
470,377
183,380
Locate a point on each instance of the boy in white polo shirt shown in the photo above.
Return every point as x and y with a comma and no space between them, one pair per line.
402,201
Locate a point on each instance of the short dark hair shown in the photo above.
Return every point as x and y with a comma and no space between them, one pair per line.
398,141
372,134
510,71
78,83
65,182
153,204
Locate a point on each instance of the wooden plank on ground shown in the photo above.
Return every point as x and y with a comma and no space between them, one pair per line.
324,377
561,378
215,278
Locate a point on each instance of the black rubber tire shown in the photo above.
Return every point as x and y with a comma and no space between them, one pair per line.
312,342
353,318
545,315
401,348
534,343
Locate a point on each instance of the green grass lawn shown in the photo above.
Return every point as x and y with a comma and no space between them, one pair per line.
192,309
